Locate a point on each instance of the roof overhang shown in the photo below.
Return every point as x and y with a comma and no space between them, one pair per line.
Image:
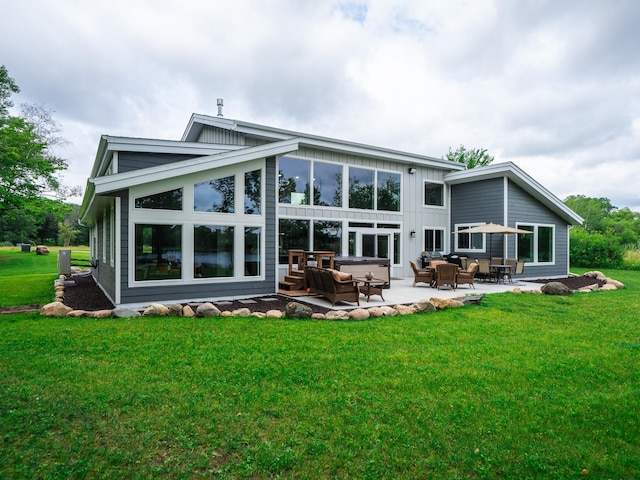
520,178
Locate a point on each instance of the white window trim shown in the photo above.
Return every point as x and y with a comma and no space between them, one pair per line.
535,241
445,194
463,226
444,236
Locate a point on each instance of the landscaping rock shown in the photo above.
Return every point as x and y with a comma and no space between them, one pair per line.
258,315
226,313
100,314
124,313
405,309
608,286
318,316
42,250
388,311
615,283
55,309
359,314
442,303
375,312
77,313
274,314
555,288
156,310
297,310
187,311
207,309
425,306
337,315
175,310
241,312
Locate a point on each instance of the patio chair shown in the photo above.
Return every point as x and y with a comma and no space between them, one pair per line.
512,268
420,274
467,276
496,260
446,274
484,270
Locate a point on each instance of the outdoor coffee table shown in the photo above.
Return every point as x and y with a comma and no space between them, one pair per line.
371,286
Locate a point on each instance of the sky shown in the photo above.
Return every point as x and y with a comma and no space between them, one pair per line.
553,86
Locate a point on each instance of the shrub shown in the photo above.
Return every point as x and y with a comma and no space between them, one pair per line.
595,250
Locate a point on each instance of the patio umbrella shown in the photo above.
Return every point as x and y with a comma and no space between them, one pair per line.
492,228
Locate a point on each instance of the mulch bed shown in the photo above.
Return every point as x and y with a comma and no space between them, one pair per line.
574,283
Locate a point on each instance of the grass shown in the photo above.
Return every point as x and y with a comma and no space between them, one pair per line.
27,278
520,386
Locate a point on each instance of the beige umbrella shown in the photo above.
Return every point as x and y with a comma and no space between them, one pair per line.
492,228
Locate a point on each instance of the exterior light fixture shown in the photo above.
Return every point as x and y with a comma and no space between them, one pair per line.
412,234
412,170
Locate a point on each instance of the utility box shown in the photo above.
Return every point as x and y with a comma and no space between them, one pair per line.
64,262
25,247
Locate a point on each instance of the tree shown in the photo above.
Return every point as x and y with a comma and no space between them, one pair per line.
28,167
594,211
471,158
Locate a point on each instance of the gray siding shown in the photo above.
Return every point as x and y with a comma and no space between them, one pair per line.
105,273
128,161
479,202
523,208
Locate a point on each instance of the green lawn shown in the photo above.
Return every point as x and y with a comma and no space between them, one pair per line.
520,386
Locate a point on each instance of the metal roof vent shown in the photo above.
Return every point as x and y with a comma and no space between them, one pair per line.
220,103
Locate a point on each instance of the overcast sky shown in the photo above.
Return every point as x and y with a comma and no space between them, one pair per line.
553,86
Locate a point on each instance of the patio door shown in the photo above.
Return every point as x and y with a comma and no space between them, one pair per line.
370,243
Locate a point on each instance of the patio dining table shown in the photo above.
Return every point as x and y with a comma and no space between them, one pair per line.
500,271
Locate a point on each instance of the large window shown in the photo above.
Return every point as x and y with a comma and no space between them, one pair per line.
252,192
434,194
327,184
388,191
294,235
469,242
212,251
537,246
434,240
327,236
158,252
361,188
171,200
294,181
215,195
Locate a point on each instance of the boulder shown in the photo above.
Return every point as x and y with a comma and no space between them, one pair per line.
608,286
359,314
388,311
42,250
241,312
187,311
406,309
297,310
375,312
55,309
258,315
425,306
77,313
442,303
337,315
226,313
124,313
100,314
615,283
555,288
593,274
175,310
156,310
318,316
274,314
207,309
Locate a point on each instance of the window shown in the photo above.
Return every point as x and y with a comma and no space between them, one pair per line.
434,194
537,246
171,200
294,181
388,191
212,251
215,195
361,188
294,235
252,251
327,236
252,192
469,242
433,240
327,184
158,250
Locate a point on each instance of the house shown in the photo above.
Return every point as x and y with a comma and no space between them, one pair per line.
215,214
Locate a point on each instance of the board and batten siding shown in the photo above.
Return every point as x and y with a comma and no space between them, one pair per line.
141,295
130,161
524,209
105,272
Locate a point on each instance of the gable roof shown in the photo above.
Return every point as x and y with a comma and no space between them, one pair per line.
514,173
199,121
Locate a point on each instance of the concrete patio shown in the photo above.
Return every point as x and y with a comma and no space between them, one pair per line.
402,291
